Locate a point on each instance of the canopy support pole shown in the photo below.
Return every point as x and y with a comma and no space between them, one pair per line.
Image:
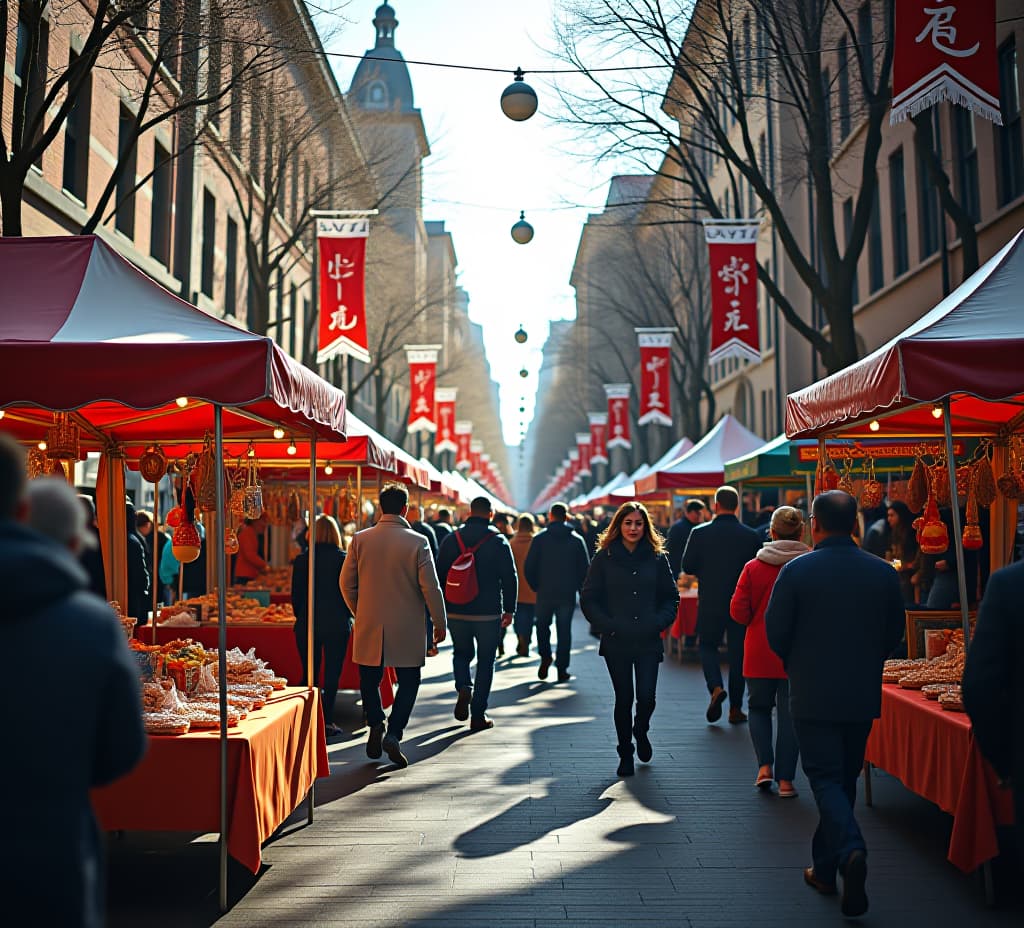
222,648
359,497
310,599
954,506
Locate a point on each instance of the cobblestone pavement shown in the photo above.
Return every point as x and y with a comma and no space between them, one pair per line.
526,826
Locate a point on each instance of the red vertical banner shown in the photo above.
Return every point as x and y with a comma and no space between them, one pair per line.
463,440
583,447
476,448
732,257
341,255
598,437
422,381
486,474
618,432
445,439
945,51
574,467
655,376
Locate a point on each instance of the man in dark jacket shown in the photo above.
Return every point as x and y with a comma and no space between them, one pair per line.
475,626
556,567
442,526
834,616
139,604
715,554
68,638
679,533
994,682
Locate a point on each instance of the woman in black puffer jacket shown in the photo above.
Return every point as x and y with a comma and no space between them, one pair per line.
630,598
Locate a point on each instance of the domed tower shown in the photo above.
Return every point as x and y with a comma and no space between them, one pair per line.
382,81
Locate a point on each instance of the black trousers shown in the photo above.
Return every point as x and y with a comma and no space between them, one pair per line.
329,647
624,670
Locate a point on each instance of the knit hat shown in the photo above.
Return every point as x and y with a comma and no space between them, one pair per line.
787,522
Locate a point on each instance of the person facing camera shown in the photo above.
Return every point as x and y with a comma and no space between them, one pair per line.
630,598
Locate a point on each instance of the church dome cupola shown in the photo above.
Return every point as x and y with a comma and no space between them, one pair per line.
385,23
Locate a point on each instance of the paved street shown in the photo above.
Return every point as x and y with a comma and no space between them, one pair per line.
526,826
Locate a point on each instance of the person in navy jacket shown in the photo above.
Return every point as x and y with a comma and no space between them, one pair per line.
630,598
834,616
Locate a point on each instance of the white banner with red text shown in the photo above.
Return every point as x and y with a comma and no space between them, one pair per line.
655,376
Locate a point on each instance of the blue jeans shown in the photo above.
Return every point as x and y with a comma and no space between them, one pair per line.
481,638
405,697
766,694
523,624
833,757
710,661
562,614
622,670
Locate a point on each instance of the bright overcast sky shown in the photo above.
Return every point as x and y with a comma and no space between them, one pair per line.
485,168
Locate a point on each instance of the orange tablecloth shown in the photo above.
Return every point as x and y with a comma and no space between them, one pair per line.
274,755
276,645
686,616
933,753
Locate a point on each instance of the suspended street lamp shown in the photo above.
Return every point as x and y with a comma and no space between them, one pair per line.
522,231
521,335
519,99
524,373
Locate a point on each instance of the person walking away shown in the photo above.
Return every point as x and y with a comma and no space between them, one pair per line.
834,616
388,578
501,523
138,602
556,567
52,859
417,524
679,533
630,598
476,624
767,685
993,685
527,598
55,511
332,620
91,558
715,554
249,563
442,526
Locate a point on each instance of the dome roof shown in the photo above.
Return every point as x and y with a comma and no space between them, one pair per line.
382,81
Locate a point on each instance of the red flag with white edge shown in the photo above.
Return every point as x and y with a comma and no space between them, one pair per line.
598,437
583,446
655,376
732,258
945,51
464,440
618,415
422,382
444,398
341,250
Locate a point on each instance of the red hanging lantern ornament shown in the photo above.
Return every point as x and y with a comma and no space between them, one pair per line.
933,535
971,537
872,493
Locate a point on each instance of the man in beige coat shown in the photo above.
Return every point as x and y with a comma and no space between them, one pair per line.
388,578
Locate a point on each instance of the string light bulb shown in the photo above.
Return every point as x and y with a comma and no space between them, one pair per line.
329,468
874,425
524,372
519,99
292,450
3,412
182,402
937,411
278,433
41,446
522,232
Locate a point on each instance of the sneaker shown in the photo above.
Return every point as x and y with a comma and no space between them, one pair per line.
462,704
855,876
545,665
564,676
737,716
626,767
644,748
394,748
482,723
373,743
714,712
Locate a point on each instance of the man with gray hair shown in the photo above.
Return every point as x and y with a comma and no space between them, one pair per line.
54,510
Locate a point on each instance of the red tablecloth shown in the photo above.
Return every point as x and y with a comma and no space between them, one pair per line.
275,644
274,755
933,753
686,616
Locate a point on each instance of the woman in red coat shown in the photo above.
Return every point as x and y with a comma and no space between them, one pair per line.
762,667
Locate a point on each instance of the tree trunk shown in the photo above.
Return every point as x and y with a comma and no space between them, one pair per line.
11,195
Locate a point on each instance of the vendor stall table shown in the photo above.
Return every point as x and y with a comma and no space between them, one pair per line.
933,753
274,643
274,755
685,624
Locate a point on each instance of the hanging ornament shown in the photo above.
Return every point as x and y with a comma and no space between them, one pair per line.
971,537
186,543
253,501
984,482
230,541
153,464
872,493
521,336
522,234
917,487
933,535
519,99
63,439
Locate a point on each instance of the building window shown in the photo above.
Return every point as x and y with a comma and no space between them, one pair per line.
214,67
235,117
748,59
160,216
231,269
966,161
1010,151
864,40
769,334
848,234
898,209
31,83
928,215
255,139
843,76
168,31
209,240
76,139
876,272
127,151
826,109
377,96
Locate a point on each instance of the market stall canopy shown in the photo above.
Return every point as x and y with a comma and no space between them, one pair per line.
768,465
703,466
83,329
673,454
627,490
970,348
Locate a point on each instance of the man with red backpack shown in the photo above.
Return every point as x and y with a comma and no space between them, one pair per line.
478,575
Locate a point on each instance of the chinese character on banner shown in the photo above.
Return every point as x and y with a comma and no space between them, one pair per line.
463,440
655,376
945,51
732,257
341,246
445,400
422,380
598,437
583,446
618,431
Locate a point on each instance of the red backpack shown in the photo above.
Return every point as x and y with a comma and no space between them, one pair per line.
461,585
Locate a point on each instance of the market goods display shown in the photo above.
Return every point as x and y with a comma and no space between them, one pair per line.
241,610
892,670
935,690
274,579
952,700
947,669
